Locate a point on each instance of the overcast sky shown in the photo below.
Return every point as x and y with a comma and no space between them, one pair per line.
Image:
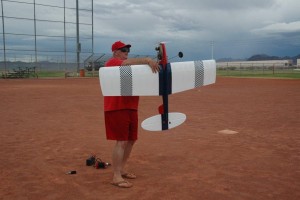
234,28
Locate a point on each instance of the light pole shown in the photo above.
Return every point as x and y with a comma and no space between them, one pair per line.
77,37
212,50
3,35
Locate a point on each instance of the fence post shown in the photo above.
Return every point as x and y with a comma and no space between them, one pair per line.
240,68
227,69
3,36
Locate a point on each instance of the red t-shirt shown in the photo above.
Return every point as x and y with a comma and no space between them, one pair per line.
119,102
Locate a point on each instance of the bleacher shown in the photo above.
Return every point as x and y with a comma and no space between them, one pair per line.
21,73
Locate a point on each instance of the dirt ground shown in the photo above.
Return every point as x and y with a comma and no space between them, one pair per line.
51,126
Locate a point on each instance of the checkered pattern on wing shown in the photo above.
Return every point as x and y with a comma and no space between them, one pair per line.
199,73
125,80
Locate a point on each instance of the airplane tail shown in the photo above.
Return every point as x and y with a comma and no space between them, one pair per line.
154,123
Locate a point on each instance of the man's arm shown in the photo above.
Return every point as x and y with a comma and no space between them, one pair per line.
142,61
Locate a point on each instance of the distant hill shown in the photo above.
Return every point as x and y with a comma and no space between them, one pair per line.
258,57
267,57
263,57
229,60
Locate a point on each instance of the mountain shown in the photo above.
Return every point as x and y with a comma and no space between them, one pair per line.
258,57
267,57
229,60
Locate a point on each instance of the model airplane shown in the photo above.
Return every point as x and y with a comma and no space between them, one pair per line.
138,80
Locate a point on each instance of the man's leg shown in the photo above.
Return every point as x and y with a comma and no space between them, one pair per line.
117,159
127,152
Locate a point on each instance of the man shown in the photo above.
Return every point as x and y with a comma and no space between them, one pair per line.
121,116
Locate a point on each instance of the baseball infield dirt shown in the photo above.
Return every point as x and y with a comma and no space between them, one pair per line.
241,140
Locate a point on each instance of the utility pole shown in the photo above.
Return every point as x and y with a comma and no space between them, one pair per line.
35,43
3,36
65,42
93,63
77,36
212,50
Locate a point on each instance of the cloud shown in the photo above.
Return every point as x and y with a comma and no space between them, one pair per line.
237,28
279,28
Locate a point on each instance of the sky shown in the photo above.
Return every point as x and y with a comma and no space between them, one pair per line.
201,29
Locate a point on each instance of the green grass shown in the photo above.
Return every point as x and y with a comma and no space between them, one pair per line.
290,73
50,74
61,74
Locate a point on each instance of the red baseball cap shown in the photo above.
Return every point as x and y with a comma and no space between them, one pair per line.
118,45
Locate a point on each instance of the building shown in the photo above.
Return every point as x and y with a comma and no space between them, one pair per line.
257,64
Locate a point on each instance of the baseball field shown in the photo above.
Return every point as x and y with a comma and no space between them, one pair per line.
241,141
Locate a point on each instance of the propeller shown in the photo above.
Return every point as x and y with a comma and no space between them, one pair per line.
180,55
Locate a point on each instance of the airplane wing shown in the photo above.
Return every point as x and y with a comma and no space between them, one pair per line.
138,80
192,74
134,80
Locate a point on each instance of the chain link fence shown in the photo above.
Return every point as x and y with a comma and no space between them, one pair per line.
40,39
43,37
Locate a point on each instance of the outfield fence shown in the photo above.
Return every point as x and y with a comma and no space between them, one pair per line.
91,65
58,68
269,70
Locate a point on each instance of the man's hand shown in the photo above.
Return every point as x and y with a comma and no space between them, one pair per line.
143,61
153,65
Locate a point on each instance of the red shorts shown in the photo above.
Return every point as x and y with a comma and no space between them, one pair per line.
121,125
